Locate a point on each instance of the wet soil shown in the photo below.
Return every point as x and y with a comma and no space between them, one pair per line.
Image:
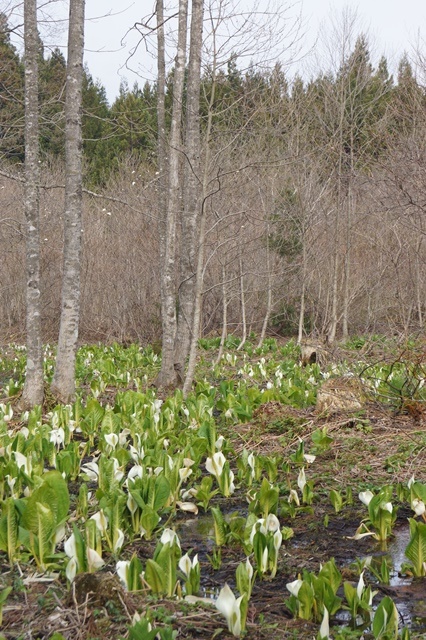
372,449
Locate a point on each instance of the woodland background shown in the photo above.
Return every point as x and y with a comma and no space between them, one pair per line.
317,196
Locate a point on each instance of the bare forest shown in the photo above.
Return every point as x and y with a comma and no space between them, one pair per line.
310,191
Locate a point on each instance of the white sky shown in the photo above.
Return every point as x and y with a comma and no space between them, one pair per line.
393,25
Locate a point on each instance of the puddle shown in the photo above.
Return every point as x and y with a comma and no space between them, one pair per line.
307,550
396,553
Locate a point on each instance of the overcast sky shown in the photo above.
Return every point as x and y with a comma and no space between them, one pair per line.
393,25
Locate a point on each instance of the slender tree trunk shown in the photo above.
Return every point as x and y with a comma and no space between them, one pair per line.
269,293
167,374
303,294
224,316
347,269
34,386
243,305
63,384
162,163
192,194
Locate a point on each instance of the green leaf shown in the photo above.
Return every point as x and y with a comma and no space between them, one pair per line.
141,631
45,530
336,500
155,577
161,492
9,528
149,520
332,575
134,574
385,621
306,601
416,548
220,526
53,494
4,594
267,497
92,415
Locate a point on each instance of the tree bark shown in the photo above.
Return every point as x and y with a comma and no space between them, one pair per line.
34,384
63,384
167,374
190,222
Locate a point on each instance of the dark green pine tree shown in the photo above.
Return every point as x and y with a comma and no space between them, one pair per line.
366,94
98,143
52,103
11,98
134,121
409,101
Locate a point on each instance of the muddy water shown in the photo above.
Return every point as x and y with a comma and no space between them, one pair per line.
408,594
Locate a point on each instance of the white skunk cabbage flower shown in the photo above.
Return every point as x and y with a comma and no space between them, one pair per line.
294,587
185,564
272,523
301,479
122,568
92,470
101,521
324,632
119,541
229,607
418,506
361,585
293,497
215,464
111,439
366,497
170,536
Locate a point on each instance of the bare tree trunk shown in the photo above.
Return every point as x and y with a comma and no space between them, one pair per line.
34,386
167,374
269,293
224,316
347,268
161,127
63,384
243,305
192,193
302,296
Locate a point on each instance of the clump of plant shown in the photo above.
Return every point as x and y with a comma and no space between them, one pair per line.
381,515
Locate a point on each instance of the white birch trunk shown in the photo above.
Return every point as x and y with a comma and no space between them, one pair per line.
192,194
63,384
34,385
167,374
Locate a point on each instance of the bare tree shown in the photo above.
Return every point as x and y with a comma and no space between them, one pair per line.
63,384
34,386
167,374
192,197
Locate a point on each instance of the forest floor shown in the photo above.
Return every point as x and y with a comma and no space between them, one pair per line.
376,447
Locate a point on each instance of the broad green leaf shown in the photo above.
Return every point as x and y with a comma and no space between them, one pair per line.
306,601
332,575
416,548
92,415
155,577
12,528
220,526
167,559
149,520
161,492
134,574
385,621
53,494
45,530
